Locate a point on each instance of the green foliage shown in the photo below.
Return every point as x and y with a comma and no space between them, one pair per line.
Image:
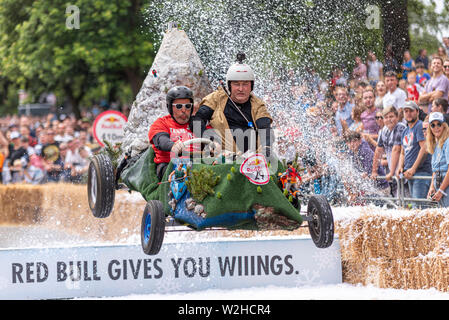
9,98
219,196
112,151
40,53
425,23
259,189
201,183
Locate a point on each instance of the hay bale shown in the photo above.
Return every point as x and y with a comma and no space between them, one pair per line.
64,207
19,204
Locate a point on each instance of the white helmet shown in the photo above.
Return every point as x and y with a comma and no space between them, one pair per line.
240,71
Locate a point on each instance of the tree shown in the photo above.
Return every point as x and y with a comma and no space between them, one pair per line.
43,48
425,24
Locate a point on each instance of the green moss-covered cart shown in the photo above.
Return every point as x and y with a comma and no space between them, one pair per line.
204,193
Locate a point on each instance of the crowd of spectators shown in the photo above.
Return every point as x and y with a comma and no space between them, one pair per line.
388,119
385,119
44,149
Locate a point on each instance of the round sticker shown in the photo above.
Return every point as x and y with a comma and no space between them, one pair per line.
109,126
255,169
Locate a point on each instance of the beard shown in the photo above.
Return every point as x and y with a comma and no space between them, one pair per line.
413,120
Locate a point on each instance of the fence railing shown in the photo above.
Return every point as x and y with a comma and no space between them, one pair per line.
401,199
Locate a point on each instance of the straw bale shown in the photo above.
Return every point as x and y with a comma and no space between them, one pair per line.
19,204
351,238
65,207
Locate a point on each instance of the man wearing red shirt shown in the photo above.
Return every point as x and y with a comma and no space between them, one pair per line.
167,133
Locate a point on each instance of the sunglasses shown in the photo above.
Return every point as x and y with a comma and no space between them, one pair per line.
378,117
445,67
185,105
433,125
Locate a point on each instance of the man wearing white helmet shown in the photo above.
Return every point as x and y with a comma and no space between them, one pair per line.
237,114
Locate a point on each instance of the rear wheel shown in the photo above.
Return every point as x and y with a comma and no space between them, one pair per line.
101,186
152,227
321,223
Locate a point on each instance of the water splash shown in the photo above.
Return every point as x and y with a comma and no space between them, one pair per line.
289,45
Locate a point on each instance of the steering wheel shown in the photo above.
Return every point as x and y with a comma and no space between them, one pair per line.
206,153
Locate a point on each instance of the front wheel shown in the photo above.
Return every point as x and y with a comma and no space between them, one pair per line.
101,186
152,227
321,223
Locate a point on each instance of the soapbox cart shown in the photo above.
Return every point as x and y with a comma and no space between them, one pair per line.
207,193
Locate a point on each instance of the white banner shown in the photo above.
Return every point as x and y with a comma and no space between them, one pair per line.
180,267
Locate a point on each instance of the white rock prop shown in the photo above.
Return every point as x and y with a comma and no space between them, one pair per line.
176,63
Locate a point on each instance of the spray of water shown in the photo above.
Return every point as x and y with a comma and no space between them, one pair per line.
287,43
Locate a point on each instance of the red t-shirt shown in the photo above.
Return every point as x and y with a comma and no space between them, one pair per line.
413,93
176,132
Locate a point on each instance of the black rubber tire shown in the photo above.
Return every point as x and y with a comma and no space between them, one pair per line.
321,228
152,241
101,186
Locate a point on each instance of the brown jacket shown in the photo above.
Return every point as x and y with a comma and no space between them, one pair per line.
217,102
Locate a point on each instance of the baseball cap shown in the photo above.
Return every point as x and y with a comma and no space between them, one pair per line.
436,116
15,135
411,105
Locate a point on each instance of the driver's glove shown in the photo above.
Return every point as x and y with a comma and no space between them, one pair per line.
177,148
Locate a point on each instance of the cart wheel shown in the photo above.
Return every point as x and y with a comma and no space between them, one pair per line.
321,227
101,186
153,227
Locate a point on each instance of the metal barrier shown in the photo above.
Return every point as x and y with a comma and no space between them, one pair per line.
400,194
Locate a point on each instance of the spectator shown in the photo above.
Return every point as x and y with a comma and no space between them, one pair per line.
446,68
421,76
362,157
442,53
438,147
3,153
359,72
79,169
414,160
395,96
422,58
34,171
59,132
408,64
53,163
446,43
390,63
357,124
66,171
375,69
16,171
370,127
16,152
436,87
441,105
389,142
381,90
339,78
403,85
343,115
82,138
412,90
76,160
425,125
25,133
